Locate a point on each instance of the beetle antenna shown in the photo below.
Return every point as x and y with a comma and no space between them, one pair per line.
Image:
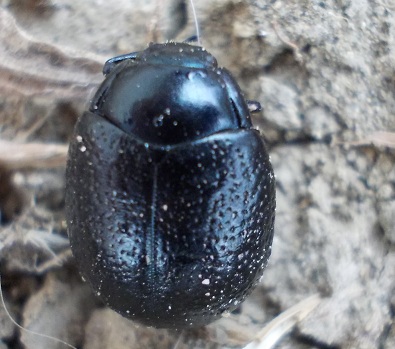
196,22
2,302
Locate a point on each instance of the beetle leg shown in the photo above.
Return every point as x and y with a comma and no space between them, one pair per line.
254,106
239,104
112,62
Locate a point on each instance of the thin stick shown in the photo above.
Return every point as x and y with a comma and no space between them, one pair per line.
273,332
32,155
196,22
179,340
377,139
25,329
295,49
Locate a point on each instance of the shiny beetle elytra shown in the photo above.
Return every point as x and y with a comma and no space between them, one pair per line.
170,195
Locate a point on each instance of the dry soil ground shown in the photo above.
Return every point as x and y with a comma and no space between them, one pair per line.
325,73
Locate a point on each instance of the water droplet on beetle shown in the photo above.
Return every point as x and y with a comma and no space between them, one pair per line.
158,120
192,74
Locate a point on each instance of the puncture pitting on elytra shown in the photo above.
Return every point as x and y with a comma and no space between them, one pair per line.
170,194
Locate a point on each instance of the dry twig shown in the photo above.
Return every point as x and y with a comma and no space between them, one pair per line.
32,155
275,330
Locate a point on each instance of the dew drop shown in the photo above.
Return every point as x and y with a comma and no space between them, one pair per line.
158,120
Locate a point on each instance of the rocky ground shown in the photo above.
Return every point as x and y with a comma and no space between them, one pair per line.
325,73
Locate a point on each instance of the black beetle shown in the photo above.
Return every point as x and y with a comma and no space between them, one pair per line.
170,195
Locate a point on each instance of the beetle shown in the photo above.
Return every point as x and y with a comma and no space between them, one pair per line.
170,194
